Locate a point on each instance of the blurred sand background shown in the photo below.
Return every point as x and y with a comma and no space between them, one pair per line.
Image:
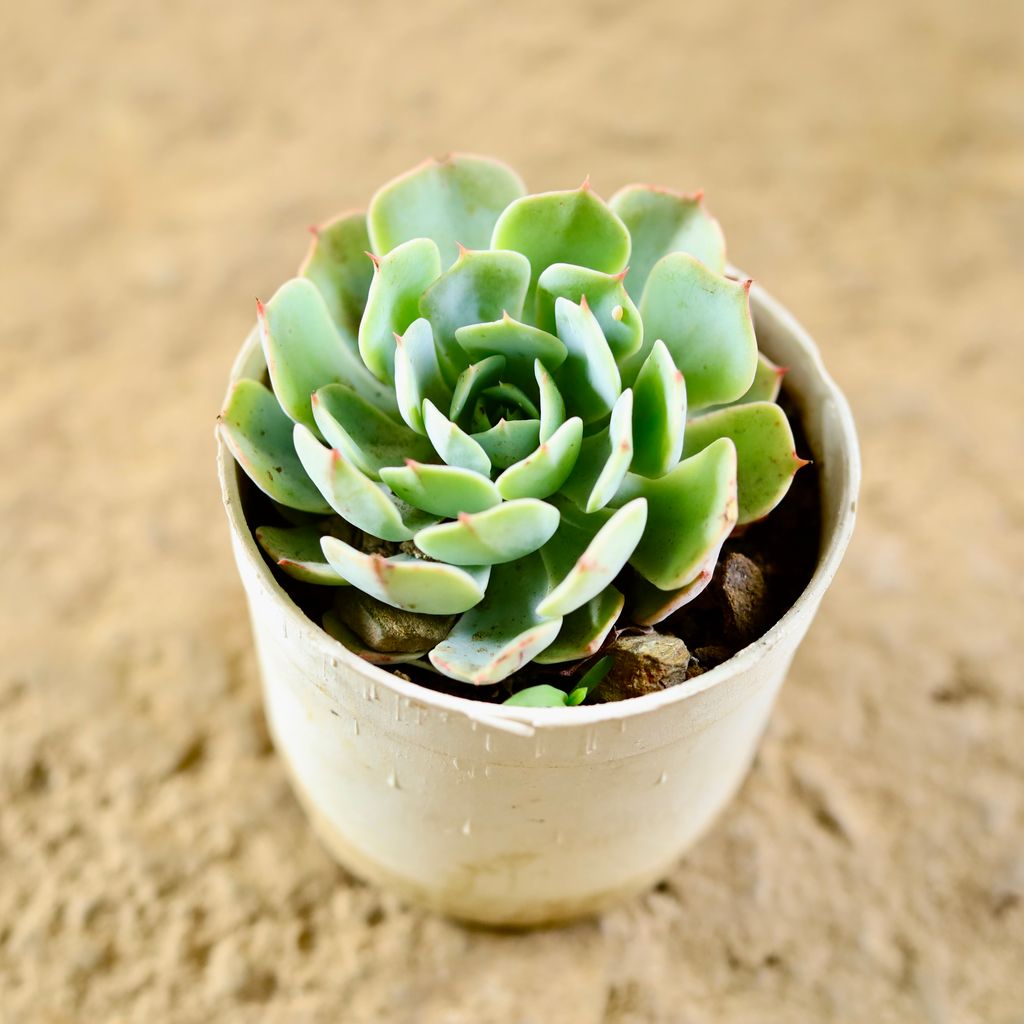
159,165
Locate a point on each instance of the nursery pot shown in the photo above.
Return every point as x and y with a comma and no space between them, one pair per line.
517,816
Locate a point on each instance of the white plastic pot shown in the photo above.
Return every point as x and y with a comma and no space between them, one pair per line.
522,816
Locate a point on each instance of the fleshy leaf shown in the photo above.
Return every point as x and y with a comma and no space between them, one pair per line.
544,471
604,459
508,441
259,436
589,377
600,562
471,382
334,626
649,604
511,397
339,267
304,351
704,321
691,511
417,374
502,633
452,443
481,286
453,201
501,534
352,494
661,221
393,303
441,490
541,696
659,414
766,459
520,344
584,630
296,549
363,433
605,294
575,227
413,584
552,406
766,387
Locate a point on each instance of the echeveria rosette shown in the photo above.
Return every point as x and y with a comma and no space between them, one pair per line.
537,412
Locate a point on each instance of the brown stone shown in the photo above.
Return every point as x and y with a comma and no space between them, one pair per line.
742,594
643,664
391,630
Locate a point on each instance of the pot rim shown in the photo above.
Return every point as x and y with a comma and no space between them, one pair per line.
517,719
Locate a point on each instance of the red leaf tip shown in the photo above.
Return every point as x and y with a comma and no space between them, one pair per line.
374,260
261,310
586,186
314,230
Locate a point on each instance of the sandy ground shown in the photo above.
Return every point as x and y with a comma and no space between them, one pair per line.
157,172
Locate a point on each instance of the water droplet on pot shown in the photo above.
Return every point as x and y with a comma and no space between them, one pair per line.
590,744
467,827
455,763
662,778
487,742
393,778
355,726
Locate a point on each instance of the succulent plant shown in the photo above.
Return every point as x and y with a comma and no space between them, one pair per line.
537,413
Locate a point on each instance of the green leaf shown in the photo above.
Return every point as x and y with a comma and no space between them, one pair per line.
471,382
604,459
452,443
704,320
296,549
452,201
660,222
691,511
417,374
352,494
584,630
766,459
304,351
393,304
412,584
501,534
508,441
520,344
659,414
259,435
589,377
592,679
339,267
512,398
545,470
598,564
563,227
605,294
481,286
502,633
649,605
334,626
441,490
552,407
766,386
541,696
365,435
